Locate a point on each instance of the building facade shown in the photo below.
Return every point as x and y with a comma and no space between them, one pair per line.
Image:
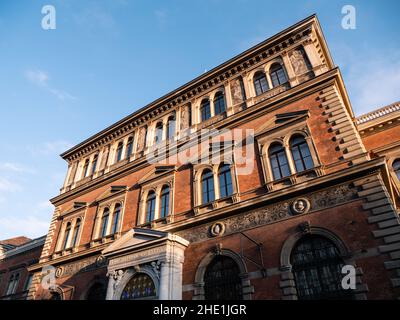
16,255
253,181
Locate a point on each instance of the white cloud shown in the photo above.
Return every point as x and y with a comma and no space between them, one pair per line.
7,185
377,85
372,78
29,226
45,205
15,167
50,148
41,79
37,77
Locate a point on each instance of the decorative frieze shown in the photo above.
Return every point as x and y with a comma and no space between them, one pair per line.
275,212
80,266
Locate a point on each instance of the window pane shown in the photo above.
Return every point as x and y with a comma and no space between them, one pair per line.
164,202
115,224
150,206
222,280
317,269
219,103
139,287
205,110
104,223
207,187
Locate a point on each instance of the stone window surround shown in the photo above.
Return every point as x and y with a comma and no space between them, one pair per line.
247,288
14,282
210,96
156,186
153,127
197,188
283,136
70,218
287,283
265,68
110,204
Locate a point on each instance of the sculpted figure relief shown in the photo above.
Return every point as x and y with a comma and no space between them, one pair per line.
141,138
236,89
297,58
185,117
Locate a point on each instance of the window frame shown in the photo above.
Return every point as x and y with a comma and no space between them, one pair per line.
205,105
257,82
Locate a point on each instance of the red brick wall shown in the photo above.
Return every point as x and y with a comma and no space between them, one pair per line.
24,259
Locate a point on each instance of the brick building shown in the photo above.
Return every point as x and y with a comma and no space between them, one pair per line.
16,255
253,181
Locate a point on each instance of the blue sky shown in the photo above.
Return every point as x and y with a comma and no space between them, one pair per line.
108,58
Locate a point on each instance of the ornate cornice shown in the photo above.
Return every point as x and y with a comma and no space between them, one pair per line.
294,35
379,118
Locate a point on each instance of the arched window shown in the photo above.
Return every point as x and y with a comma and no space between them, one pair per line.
12,284
159,133
86,168
171,127
301,153
66,235
207,187
219,103
104,222
119,151
205,110
396,168
150,206
317,266
140,286
164,202
129,147
76,233
222,280
94,163
116,216
278,161
97,292
225,180
277,74
260,83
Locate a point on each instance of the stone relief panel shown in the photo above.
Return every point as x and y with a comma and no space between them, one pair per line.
272,213
84,265
141,138
237,93
300,63
185,117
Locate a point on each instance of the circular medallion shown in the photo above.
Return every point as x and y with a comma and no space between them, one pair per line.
59,272
301,205
217,229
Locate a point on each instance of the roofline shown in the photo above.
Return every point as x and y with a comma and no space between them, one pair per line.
200,78
34,243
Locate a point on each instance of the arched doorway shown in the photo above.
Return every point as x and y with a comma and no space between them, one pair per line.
140,286
222,280
317,265
55,296
96,292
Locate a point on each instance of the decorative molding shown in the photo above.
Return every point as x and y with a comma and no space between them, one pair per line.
269,214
